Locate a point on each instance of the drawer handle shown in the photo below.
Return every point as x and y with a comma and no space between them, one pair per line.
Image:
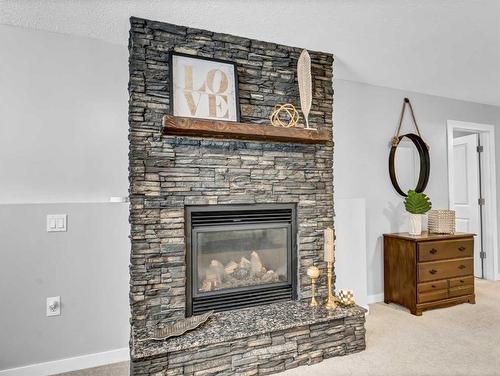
461,281
433,271
433,251
462,267
433,286
461,248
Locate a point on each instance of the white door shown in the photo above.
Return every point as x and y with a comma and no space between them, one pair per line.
466,191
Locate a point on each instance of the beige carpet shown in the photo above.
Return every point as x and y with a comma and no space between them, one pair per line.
455,341
117,369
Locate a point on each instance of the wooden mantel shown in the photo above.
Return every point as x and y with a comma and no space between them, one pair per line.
184,126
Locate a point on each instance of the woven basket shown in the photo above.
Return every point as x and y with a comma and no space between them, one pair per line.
441,221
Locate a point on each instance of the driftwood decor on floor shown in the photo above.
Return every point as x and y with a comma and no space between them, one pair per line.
182,126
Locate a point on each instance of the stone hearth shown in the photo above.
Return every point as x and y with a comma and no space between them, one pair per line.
253,341
169,174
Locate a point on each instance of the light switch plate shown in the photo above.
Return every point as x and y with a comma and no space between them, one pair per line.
54,306
57,222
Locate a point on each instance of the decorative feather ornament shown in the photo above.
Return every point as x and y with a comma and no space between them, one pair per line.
305,84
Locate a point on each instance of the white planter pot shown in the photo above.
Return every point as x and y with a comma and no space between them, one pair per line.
415,224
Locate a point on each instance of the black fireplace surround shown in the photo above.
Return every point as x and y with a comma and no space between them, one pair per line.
240,256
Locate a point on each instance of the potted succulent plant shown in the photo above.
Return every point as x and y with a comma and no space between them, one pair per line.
416,205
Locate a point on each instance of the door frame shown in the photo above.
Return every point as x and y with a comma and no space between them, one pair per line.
488,175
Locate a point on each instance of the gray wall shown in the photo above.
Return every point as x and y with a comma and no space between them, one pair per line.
63,123
63,138
87,266
365,119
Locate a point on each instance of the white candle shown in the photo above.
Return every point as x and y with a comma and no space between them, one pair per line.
329,249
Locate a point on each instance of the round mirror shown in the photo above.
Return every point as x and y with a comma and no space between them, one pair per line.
409,164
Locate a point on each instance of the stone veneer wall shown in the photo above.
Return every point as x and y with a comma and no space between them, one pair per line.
170,172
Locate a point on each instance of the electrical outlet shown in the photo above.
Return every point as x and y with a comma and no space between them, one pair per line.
54,306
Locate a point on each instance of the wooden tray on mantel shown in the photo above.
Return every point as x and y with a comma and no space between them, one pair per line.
184,126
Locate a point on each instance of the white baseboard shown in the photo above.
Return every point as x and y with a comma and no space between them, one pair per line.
70,364
375,298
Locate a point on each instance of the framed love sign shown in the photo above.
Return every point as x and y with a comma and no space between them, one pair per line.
204,88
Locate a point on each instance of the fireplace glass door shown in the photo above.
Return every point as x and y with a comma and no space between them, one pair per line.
240,256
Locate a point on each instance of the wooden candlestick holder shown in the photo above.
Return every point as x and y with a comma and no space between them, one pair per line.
313,273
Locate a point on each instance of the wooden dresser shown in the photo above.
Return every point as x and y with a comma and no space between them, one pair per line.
428,271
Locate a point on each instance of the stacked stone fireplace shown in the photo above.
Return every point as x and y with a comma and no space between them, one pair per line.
228,225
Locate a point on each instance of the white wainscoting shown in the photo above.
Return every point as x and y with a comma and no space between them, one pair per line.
70,364
350,250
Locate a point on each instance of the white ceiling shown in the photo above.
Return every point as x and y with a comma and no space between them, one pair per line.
449,48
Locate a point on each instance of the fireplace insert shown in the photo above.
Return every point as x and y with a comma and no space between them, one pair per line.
240,256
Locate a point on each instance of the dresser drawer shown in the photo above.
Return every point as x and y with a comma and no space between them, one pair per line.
462,281
445,249
432,296
462,290
430,271
432,286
